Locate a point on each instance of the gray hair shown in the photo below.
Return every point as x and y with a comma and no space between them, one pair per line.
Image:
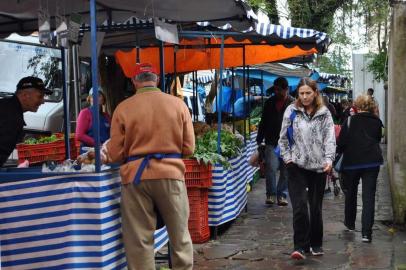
146,77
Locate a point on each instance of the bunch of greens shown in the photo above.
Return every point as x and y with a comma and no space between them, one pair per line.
256,115
206,147
255,121
257,112
48,139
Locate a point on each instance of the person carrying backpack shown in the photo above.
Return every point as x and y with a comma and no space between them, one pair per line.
308,158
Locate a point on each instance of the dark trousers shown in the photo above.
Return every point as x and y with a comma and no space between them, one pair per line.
351,180
306,190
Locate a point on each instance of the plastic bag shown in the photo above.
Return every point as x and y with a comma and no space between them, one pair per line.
254,159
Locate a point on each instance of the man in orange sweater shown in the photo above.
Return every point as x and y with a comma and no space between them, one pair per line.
150,132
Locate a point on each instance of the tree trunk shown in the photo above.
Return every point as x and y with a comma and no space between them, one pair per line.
385,38
397,111
379,37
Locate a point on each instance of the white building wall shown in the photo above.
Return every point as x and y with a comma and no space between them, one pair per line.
364,79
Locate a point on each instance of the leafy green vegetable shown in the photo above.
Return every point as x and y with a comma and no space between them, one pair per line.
206,148
257,112
255,121
30,141
48,139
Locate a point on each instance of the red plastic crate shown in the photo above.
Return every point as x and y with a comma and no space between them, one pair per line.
38,153
197,175
199,214
201,236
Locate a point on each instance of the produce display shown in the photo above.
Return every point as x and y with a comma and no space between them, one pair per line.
86,158
206,147
49,139
255,117
200,128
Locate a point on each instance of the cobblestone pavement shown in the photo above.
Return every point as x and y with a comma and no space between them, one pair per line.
261,238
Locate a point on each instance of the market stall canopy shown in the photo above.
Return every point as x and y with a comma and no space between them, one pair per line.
284,69
267,43
21,16
334,80
336,90
269,72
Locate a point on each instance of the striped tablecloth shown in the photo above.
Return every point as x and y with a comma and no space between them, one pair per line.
228,194
63,222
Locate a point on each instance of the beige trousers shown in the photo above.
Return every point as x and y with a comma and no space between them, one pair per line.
139,222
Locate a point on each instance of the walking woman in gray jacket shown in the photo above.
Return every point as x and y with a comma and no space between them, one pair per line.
307,144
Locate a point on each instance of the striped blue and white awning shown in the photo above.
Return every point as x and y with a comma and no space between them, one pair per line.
272,31
205,78
328,76
285,32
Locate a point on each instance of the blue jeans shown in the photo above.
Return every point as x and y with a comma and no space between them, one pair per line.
272,165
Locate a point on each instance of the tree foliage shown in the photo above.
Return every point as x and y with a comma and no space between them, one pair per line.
48,68
269,6
339,18
314,14
378,66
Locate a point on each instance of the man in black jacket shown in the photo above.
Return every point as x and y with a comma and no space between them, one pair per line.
29,96
269,129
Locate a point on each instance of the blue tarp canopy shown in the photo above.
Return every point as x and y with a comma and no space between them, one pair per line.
270,77
257,74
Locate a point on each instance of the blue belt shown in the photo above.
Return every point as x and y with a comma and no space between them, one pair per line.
145,162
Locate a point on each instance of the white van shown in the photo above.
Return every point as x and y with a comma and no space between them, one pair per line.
189,99
19,60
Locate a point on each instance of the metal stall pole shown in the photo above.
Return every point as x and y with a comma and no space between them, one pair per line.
175,73
76,78
215,87
244,85
95,111
219,110
262,89
232,98
162,66
194,90
249,115
137,57
66,122
249,102
196,97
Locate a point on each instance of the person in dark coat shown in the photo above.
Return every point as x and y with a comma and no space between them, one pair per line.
359,142
29,96
269,128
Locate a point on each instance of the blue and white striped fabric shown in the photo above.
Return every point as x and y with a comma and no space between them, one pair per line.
285,32
63,222
228,194
265,28
205,78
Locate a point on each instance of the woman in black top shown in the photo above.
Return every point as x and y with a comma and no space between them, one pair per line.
359,141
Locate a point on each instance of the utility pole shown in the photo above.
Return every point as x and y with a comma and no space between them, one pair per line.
397,110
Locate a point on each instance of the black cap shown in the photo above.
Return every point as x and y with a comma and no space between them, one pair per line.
33,82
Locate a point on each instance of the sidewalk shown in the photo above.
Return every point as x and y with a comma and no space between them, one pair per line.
262,238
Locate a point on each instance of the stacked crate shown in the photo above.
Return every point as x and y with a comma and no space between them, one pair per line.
53,151
198,178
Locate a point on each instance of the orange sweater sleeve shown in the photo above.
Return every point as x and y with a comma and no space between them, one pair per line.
188,146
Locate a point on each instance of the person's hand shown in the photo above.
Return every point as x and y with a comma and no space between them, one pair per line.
104,153
103,157
289,164
327,168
